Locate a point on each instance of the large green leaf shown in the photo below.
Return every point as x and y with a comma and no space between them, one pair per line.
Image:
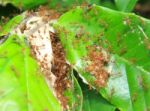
95,102
22,85
125,37
67,4
125,5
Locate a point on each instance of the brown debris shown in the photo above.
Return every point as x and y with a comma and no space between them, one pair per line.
47,13
60,69
96,67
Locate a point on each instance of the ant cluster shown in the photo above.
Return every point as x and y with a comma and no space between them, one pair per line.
46,48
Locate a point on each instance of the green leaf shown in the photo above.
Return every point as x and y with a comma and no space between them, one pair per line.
68,4
125,37
22,85
11,24
125,5
94,101
128,85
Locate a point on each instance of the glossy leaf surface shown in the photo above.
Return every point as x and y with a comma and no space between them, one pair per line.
125,37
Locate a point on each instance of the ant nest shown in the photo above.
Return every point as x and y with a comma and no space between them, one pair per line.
37,32
47,50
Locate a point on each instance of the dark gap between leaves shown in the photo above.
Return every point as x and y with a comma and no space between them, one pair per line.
85,88
8,11
143,8
3,39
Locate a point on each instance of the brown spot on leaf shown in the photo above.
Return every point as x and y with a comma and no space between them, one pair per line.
1,92
147,43
16,72
123,51
133,60
45,109
134,97
127,21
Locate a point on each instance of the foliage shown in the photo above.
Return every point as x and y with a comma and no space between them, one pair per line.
22,85
94,101
125,37
125,5
15,53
